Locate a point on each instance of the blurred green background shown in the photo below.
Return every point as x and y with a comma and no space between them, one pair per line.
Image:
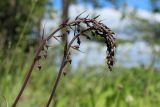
134,81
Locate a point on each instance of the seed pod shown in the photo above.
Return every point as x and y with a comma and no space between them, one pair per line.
76,46
67,31
38,58
93,34
46,46
78,40
43,48
88,37
64,72
78,29
39,67
45,56
70,61
75,30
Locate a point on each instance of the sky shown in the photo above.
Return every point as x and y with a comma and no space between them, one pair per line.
142,4
112,20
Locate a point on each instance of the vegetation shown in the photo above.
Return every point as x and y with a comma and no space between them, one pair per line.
90,86
91,25
86,87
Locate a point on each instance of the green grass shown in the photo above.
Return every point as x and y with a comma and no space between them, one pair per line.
83,87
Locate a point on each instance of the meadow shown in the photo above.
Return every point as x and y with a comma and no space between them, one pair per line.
93,86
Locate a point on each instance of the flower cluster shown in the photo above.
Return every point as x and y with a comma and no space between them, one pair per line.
82,27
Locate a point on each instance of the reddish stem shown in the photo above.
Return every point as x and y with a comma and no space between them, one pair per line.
60,72
27,76
31,68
